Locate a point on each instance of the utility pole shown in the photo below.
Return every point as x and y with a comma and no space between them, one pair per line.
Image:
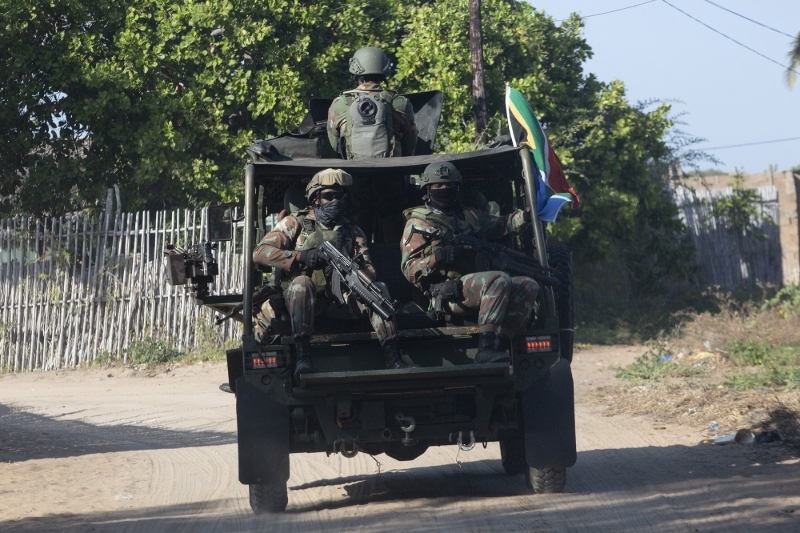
478,84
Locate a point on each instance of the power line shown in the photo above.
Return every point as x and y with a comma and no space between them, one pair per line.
612,11
752,144
730,38
751,20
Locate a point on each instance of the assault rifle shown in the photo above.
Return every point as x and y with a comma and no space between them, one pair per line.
502,257
356,280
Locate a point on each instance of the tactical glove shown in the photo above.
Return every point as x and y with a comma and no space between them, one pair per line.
312,258
527,216
448,254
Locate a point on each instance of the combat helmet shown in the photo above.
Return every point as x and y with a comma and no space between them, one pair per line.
327,178
370,60
440,172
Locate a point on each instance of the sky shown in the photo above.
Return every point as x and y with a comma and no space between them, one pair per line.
730,95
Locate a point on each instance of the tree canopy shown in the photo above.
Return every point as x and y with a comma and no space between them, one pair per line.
160,97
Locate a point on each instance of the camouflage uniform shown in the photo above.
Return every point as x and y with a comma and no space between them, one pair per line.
402,119
308,294
502,301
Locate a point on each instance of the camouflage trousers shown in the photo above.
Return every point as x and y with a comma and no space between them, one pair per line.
504,303
304,305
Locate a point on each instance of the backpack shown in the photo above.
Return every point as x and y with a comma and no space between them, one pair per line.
369,133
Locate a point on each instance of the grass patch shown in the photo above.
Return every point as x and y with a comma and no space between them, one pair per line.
749,353
148,350
761,365
652,365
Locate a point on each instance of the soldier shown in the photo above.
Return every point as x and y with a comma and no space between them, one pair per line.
292,246
369,121
504,304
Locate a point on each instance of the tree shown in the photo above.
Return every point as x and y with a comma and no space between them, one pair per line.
615,154
161,96
794,62
478,84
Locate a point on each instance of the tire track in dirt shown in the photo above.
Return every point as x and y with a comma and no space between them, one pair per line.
159,455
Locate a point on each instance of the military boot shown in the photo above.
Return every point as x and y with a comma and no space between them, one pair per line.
487,351
302,364
392,355
503,344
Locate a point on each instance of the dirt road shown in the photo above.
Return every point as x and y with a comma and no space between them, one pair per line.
103,451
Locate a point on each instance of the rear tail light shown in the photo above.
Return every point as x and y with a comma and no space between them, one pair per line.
538,344
263,361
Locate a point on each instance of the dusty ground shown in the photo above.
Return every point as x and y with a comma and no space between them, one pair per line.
100,450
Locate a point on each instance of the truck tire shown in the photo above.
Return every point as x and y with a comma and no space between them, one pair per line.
268,498
546,480
560,261
512,456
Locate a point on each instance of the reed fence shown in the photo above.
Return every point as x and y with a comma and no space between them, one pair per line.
80,287
731,257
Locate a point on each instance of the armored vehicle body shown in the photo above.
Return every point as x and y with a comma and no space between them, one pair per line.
351,404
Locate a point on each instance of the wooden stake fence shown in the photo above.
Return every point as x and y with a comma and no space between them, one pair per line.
727,256
73,288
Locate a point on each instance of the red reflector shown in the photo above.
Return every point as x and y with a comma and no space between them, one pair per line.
538,344
266,361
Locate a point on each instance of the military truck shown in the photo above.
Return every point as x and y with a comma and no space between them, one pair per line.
351,404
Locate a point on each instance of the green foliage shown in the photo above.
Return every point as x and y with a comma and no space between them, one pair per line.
742,209
161,97
103,358
767,377
749,353
648,366
148,350
774,366
794,62
787,301
208,347
707,172
615,154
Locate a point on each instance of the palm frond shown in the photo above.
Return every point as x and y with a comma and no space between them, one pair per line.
794,62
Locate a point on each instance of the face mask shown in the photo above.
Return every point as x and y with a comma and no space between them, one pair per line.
443,199
330,213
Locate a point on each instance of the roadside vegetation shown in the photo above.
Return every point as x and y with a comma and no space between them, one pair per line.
735,365
150,352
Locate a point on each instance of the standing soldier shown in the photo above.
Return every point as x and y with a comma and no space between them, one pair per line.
292,246
504,304
369,121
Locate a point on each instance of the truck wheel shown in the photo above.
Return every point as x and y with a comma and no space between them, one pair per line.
268,498
546,480
512,455
560,261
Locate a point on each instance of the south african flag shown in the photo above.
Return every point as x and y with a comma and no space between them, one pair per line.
552,190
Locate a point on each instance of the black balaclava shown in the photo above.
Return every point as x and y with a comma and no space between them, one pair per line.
331,213
443,200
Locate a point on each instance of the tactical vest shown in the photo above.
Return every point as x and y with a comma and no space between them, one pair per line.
465,265
341,236
369,133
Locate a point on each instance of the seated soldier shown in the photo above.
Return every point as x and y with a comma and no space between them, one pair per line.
292,247
504,304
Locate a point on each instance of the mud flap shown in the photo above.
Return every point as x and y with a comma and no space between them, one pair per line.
548,410
263,434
